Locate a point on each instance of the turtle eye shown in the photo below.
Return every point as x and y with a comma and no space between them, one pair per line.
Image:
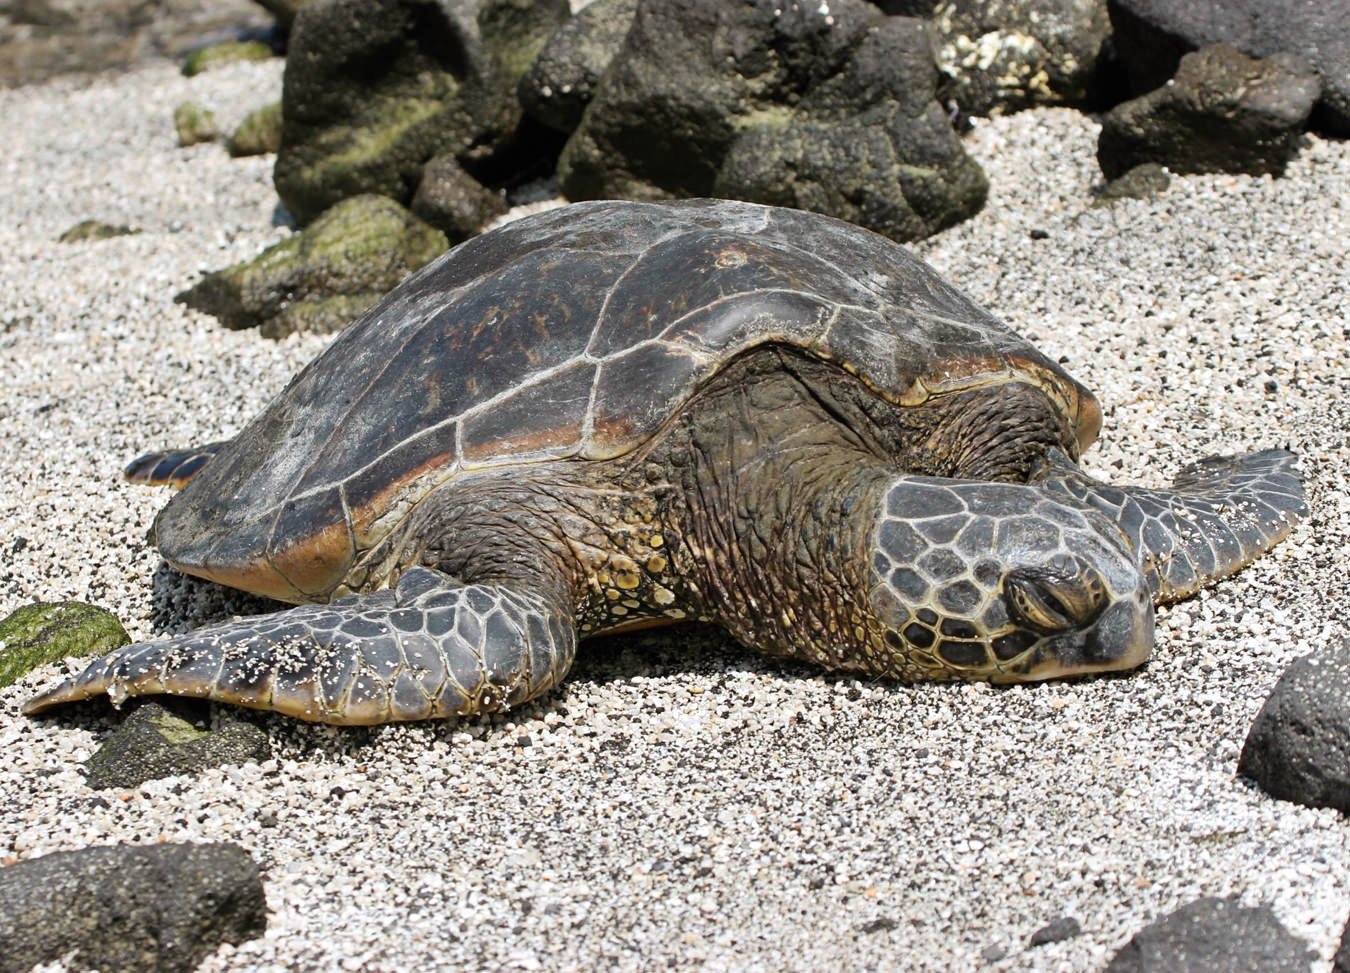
1053,603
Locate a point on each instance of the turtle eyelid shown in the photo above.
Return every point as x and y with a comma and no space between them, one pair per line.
1034,604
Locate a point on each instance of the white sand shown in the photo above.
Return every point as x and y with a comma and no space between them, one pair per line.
682,803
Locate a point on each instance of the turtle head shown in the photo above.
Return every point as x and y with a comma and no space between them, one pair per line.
1004,582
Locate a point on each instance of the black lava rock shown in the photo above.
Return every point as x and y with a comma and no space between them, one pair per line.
562,80
376,88
152,743
1065,927
159,907
1150,36
1142,182
1298,749
1222,112
829,108
1213,935
1340,963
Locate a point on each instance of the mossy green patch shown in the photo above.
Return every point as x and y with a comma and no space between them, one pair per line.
230,52
44,632
324,276
94,230
195,123
258,134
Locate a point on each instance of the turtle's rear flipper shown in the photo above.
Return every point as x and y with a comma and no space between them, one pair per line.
430,648
1218,515
170,467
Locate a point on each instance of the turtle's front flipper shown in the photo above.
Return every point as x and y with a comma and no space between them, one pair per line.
430,648
170,467
1218,515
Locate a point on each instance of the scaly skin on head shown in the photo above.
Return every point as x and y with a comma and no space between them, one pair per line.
1000,581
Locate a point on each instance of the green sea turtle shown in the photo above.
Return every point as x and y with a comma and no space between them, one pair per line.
619,414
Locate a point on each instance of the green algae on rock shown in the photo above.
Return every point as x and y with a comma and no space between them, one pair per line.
230,52
44,632
258,134
323,277
95,230
195,123
153,742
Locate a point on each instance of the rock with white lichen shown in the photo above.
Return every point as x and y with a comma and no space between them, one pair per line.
998,56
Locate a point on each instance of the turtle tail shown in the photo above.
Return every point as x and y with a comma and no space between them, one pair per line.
170,467
1219,515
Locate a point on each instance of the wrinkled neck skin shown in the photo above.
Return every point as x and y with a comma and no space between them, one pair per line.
782,469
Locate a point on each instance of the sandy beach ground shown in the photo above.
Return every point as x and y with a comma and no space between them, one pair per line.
682,803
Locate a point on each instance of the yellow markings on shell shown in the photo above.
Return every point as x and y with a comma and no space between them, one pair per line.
656,541
656,564
663,596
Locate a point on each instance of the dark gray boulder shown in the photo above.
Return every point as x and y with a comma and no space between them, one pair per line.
152,743
1145,180
159,907
452,201
1213,935
999,56
562,80
827,108
284,11
1152,35
375,88
324,277
1341,961
47,631
1298,749
1222,112
1056,931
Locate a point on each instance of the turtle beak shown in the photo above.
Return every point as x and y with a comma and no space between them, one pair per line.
1121,638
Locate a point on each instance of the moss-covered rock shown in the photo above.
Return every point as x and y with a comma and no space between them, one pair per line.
230,52
195,123
323,277
258,134
44,632
153,742
375,88
94,230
